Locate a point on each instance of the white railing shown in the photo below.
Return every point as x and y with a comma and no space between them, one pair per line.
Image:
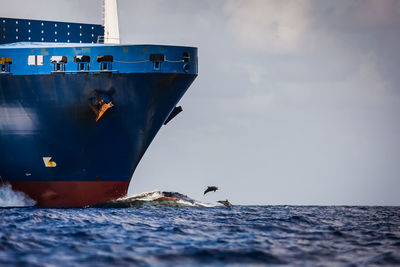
101,40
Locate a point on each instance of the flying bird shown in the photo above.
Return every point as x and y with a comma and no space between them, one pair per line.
210,188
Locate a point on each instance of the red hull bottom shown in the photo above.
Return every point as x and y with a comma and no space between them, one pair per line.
72,194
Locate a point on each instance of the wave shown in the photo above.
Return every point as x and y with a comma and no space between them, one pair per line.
11,198
154,199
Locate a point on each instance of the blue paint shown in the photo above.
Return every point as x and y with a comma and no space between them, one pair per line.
47,114
127,58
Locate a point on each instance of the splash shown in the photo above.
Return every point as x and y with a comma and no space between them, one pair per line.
11,198
153,199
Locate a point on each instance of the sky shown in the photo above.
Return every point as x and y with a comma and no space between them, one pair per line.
296,102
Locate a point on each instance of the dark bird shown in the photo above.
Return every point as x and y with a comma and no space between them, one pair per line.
210,188
225,203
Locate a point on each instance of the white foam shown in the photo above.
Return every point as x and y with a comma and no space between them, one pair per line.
185,203
156,194
11,198
145,196
206,205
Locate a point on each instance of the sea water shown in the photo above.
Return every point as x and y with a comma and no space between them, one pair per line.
146,232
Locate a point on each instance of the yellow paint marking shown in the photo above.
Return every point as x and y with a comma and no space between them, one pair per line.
49,163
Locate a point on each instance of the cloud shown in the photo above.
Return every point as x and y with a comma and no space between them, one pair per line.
288,26
268,26
377,12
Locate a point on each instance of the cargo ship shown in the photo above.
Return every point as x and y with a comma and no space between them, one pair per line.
78,109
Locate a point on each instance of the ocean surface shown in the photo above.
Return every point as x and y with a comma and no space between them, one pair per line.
143,231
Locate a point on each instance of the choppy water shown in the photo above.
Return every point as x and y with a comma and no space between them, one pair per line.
162,233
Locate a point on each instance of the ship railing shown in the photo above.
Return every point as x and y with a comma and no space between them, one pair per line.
85,71
102,38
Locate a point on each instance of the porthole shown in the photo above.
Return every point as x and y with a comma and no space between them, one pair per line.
185,67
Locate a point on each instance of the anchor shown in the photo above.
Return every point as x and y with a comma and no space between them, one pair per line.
103,104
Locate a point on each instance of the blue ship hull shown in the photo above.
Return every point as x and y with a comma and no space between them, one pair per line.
52,147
